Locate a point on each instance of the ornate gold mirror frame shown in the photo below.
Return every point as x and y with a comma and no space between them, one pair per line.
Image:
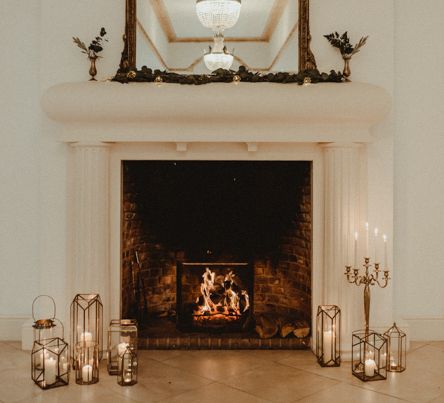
306,58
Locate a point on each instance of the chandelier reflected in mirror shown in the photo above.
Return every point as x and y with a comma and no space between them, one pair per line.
218,15
218,57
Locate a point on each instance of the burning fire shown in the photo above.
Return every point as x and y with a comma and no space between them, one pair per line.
221,297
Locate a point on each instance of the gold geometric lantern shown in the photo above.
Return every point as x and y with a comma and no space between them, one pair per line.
50,363
121,334
86,323
396,349
87,363
369,359
328,330
127,375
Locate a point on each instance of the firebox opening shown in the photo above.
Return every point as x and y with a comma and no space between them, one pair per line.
216,249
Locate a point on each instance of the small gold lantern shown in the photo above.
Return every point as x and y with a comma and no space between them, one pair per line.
369,359
86,323
328,331
127,375
121,334
50,363
44,328
396,349
87,363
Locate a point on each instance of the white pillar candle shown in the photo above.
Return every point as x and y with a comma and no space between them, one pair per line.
376,245
120,351
356,250
366,239
50,371
86,336
87,373
384,237
370,366
327,343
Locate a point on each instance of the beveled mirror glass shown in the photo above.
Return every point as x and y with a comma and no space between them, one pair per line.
269,36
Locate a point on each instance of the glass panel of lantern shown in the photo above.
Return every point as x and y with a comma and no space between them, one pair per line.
86,322
328,330
44,328
396,349
87,363
50,363
121,333
369,358
127,375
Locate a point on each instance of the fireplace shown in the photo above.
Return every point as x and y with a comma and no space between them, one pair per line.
330,127
217,249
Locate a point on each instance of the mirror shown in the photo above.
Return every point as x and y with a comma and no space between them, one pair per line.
269,36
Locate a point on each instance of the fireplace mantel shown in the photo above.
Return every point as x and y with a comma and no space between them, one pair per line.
266,112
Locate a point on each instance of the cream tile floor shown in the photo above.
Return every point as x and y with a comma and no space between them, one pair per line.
235,377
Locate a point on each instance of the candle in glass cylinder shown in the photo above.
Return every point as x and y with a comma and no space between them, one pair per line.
370,366
87,373
86,336
50,371
327,345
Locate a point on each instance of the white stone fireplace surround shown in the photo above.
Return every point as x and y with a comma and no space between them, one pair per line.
328,124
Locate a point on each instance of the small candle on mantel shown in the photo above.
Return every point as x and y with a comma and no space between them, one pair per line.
384,237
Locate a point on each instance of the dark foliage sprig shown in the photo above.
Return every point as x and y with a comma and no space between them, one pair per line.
342,42
96,45
226,76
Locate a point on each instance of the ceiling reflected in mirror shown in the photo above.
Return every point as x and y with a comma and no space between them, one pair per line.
171,37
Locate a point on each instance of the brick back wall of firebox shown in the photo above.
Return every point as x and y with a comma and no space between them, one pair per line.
282,284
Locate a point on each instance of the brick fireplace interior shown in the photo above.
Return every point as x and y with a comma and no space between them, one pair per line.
217,254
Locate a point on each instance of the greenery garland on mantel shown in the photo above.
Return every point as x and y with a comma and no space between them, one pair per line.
147,75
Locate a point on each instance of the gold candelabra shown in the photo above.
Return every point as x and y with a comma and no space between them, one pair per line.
367,279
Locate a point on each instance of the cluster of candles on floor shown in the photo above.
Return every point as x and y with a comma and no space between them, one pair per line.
51,359
369,348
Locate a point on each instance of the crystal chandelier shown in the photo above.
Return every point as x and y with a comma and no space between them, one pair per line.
218,15
218,57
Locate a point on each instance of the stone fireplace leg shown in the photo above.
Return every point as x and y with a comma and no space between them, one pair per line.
90,222
343,200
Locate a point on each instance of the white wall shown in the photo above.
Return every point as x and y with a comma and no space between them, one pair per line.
419,166
38,52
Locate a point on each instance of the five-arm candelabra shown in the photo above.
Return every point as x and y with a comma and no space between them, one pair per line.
367,279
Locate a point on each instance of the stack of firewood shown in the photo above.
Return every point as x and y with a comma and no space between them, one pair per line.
268,326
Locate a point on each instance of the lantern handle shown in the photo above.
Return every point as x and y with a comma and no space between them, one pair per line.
53,303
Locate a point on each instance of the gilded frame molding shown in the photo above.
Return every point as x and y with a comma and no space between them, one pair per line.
128,61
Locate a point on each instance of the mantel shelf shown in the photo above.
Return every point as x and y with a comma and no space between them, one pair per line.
265,112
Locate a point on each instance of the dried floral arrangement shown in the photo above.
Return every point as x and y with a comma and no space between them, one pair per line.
96,45
342,42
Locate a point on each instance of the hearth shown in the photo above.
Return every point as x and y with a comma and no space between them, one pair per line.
217,254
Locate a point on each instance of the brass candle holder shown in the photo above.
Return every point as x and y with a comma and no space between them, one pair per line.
367,279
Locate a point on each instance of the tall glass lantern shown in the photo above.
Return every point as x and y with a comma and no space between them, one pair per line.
396,349
121,334
87,363
328,330
50,363
369,358
86,322
44,328
127,367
